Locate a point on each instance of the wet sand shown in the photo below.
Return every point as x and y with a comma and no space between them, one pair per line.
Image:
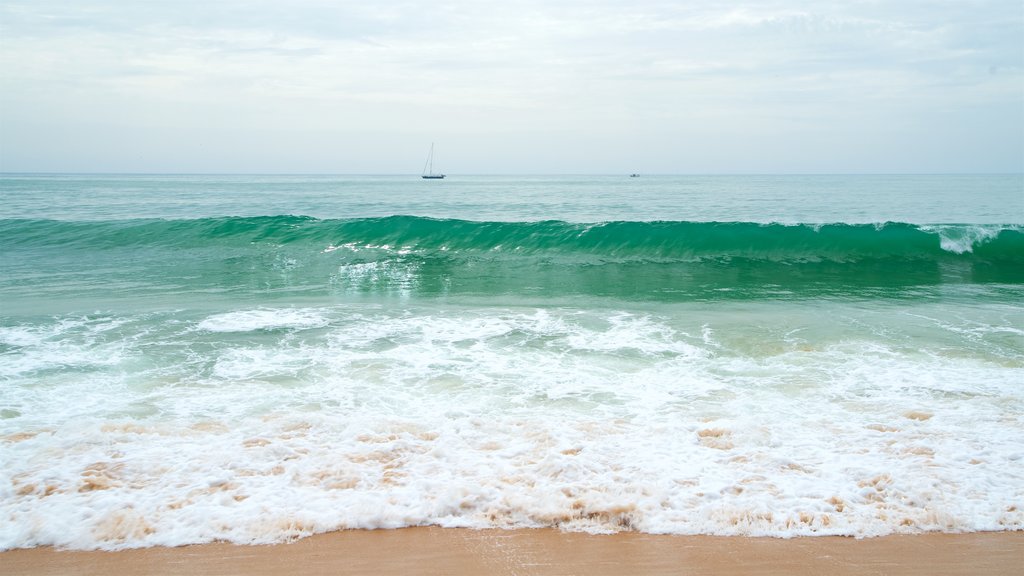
547,552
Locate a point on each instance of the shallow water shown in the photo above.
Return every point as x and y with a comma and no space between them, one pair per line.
182,362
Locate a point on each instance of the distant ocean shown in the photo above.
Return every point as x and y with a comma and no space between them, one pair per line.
252,359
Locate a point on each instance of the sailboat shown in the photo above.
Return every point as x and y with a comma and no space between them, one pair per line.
430,163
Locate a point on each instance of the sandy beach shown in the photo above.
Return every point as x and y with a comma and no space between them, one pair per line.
547,552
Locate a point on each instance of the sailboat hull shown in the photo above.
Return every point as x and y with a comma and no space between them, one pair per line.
432,176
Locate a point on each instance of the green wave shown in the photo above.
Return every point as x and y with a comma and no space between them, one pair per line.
415,256
671,240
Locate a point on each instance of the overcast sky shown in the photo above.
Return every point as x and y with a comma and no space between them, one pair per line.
588,86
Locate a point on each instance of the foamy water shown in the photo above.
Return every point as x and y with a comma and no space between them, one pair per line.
264,424
252,359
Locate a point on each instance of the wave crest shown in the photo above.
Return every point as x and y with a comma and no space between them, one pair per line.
672,240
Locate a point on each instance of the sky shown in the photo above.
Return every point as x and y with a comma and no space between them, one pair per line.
541,87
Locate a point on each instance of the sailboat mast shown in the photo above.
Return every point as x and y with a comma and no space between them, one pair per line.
430,164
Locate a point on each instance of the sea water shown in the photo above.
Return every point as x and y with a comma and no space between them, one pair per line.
252,359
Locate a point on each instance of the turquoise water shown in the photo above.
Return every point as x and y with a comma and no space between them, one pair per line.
273,259
925,199
254,358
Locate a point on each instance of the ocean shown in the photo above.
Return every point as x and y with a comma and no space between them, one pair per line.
253,359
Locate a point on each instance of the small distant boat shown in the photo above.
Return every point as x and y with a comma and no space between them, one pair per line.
430,162
634,175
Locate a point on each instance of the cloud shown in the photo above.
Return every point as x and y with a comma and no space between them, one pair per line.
578,70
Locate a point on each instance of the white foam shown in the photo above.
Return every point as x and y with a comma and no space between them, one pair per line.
19,336
964,239
79,342
263,319
696,421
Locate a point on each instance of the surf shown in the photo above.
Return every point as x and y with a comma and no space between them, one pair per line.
679,240
411,256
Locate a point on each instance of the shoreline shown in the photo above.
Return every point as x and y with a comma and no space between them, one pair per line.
546,551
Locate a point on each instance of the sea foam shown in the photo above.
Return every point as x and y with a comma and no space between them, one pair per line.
740,421
962,239
261,319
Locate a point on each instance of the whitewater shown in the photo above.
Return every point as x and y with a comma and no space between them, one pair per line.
254,359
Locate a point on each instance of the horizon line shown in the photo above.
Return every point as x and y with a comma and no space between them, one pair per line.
509,174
